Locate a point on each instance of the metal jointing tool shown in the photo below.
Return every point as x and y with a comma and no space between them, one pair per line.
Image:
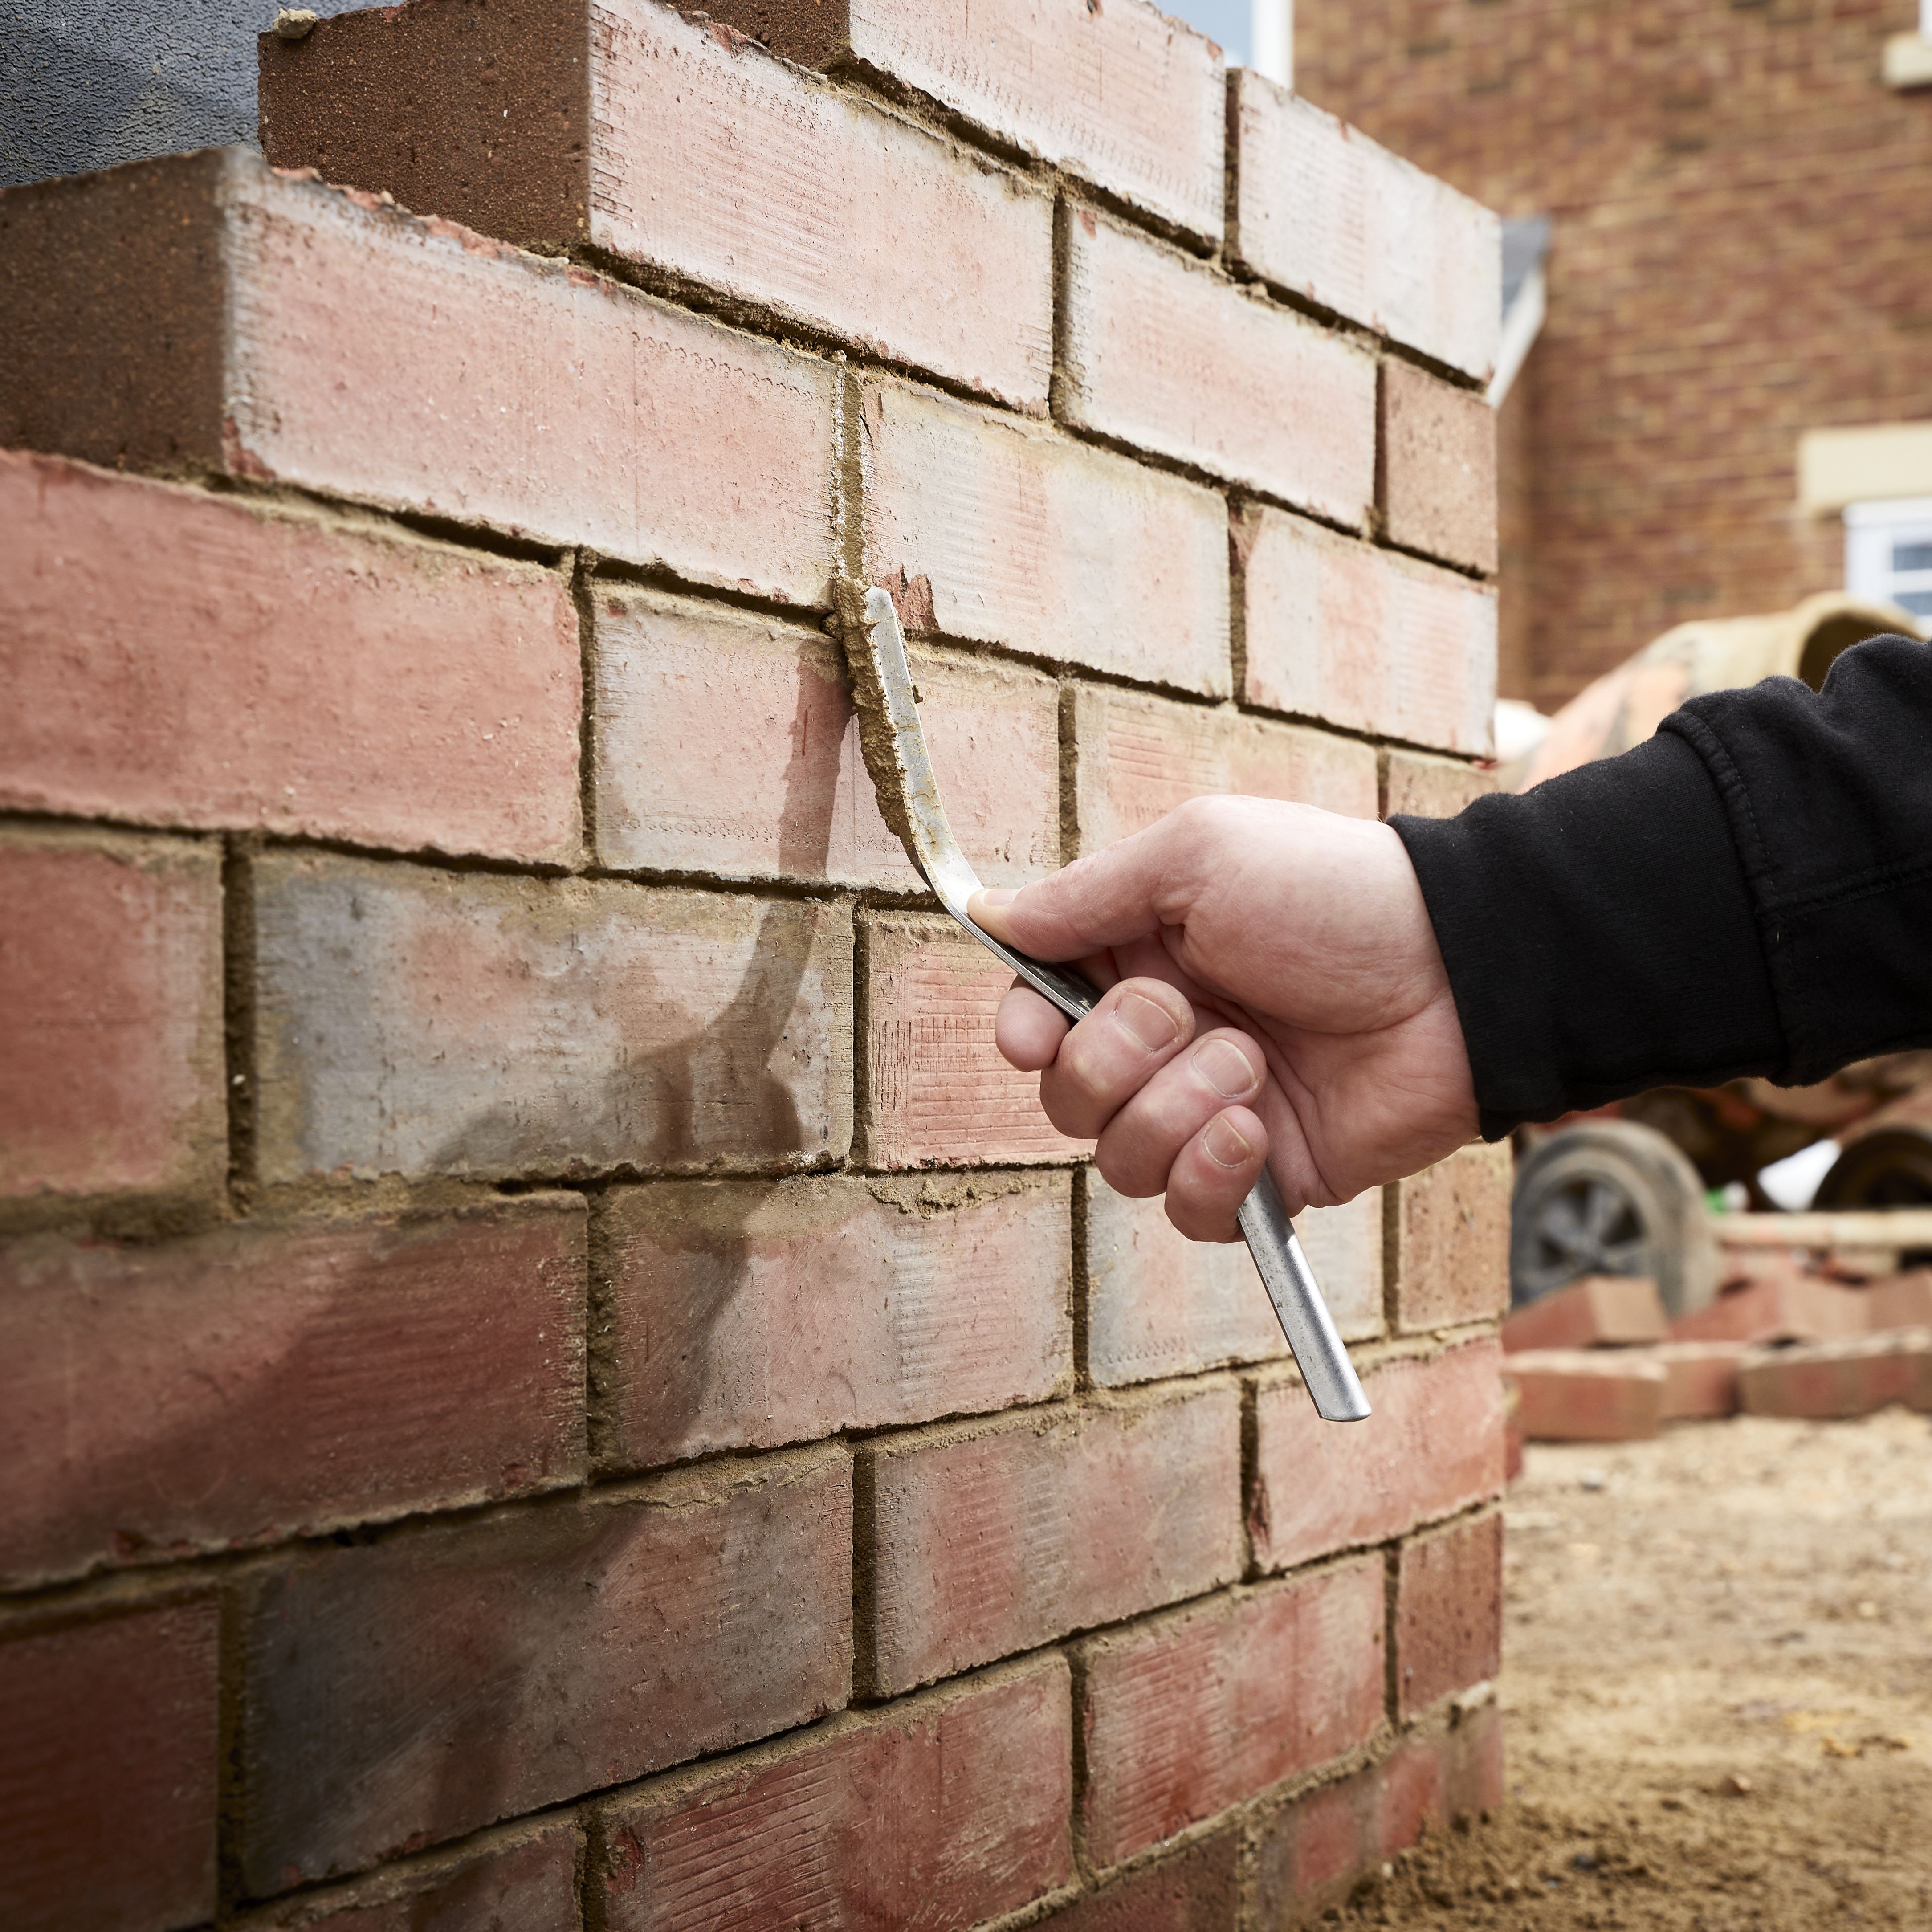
895,755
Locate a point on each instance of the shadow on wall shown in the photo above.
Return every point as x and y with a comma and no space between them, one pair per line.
90,83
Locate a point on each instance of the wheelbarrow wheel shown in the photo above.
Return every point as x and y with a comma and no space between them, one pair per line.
1890,1167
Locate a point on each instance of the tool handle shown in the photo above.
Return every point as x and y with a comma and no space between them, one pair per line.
1333,1385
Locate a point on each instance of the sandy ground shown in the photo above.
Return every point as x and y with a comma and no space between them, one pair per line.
1719,1685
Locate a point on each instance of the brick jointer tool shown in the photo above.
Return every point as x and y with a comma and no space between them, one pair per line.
894,744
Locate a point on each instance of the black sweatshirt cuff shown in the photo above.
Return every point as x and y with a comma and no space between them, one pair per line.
1599,936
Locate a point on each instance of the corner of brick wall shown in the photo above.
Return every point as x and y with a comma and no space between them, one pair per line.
544,1362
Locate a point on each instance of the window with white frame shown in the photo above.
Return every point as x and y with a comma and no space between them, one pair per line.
1889,552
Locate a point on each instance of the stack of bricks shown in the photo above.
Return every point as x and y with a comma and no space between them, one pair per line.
549,1376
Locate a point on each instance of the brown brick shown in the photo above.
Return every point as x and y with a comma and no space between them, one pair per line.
1163,355
201,311
1123,94
1437,468
111,1055
1432,788
1451,1241
416,1021
983,1540
938,1093
1135,758
1597,1311
726,745
687,150
528,1885
1198,1889
1365,638
1009,533
107,1784
1188,1714
1332,216
937,1811
1700,1378
1780,1306
1158,1304
1433,1447
1448,1622
263,1381
742,1314
419,1687
1824,1380
176,658
1587,1395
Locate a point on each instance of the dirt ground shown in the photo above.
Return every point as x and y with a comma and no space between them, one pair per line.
1719,1689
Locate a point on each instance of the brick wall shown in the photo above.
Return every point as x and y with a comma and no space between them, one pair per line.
1737,256
549,1378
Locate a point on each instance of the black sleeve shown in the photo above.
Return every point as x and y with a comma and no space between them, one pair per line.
1749,892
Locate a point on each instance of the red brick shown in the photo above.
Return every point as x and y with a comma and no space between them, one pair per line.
1438,468
938,1093
1196,1890
263,1382
1135,758
1122,94
417,1688
1451,1225
1365,638
1431,787
111,1053
107,1784
1161,353
1900,1300
1324,211
742,1314
1206,1707
1433,1447
1824,1380
1585,1395
936,1812
176,658
982,1541
1781,1307
1597,1311
1433,1777
1158,1304
726,744
1010,533
529,1886
201,311
689,150
415,1021
1448,1612
1700,1378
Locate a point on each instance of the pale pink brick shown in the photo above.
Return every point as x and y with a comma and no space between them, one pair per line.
1365,638
489,386
1438,467
1587,1395
1450,1256
420,1022
937,1093
939,1811
1426,787
1434,1446
726,744
1163,354
1005,532
1135,758
1120,93
1158,1304
1321,210
266,1381
983,1540
1190,1713
742,1314
1448,1620
697,153
176,658
111,1053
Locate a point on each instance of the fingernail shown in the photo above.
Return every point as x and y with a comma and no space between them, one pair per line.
1226,1145
1148,1021
995,895
1225,1068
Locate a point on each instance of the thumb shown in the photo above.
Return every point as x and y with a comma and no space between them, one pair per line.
1126,891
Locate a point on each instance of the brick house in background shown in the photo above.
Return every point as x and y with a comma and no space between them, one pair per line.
1730,400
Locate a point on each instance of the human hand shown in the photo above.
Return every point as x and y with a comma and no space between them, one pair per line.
1274,991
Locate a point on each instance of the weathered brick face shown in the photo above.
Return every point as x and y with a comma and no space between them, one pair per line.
550,1374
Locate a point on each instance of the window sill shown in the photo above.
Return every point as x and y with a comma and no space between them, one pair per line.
1908,62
